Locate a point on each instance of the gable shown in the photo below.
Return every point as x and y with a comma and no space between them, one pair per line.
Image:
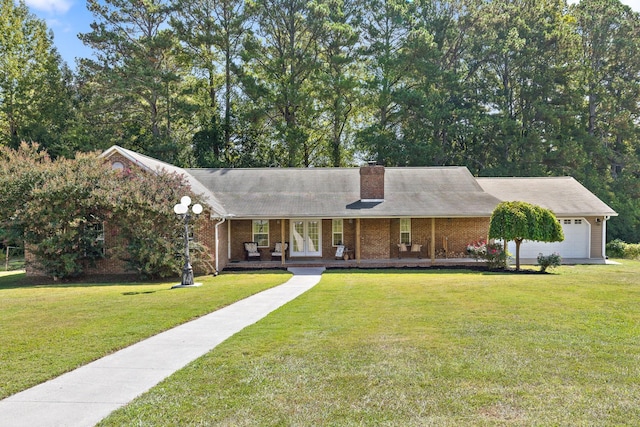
154,166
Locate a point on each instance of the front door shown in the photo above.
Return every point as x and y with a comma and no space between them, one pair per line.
306,237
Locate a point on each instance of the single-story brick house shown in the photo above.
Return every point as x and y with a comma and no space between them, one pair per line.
372,210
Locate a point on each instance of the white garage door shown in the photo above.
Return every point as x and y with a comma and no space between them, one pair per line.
575,244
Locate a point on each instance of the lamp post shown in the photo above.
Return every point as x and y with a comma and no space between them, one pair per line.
182,210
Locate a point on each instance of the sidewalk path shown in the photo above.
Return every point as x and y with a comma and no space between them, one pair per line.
88,394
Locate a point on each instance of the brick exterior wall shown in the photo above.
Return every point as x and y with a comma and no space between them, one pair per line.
456,233
451,233
372,182
375,235
206,235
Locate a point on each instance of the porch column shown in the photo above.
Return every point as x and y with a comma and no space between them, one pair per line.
433,241
358,240
229,240
282,240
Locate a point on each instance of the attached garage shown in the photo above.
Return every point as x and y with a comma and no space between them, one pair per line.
576,244
583,216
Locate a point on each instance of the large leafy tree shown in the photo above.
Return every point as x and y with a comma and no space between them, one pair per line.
520,221
53,206
211,34
35,95
281,58
386,29
20,171
610,76
142,225
525,55
337,87
62,210
133,79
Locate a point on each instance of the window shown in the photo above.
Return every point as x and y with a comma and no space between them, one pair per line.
337,227
577,221
405,230
95,244
567,221
261,232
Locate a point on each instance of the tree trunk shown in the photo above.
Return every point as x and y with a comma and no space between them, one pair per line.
518,241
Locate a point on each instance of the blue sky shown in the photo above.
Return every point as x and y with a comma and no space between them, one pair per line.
67,18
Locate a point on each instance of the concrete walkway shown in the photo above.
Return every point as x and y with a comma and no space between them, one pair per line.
88,394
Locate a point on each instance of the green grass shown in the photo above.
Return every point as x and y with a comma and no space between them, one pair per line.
411,348
50,329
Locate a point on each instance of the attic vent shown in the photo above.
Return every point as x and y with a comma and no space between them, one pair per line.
372,183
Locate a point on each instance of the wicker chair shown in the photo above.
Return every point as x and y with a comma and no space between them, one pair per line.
251,251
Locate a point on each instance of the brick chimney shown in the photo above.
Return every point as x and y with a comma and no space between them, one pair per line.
372,183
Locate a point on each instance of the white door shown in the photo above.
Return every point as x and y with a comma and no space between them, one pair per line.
576,243
306,237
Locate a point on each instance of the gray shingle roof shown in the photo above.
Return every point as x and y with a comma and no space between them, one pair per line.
563,195
335,193
444,192
155,165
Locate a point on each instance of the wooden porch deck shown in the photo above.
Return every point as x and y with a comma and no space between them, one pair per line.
385,263
352,263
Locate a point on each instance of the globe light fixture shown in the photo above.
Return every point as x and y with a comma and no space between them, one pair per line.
182,210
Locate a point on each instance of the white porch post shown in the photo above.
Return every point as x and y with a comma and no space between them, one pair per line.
604,238
282,240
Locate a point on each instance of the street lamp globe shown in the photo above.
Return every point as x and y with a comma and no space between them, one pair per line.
180,209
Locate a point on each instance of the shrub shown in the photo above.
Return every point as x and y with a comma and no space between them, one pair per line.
549,261
493,253
632,251
616,248
619,249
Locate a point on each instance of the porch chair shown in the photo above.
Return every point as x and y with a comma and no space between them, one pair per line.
279,250
409,248
339,251
251,251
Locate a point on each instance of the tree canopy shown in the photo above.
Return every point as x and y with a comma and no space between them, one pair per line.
520,221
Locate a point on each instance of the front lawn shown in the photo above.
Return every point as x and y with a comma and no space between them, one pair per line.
50,329
413,348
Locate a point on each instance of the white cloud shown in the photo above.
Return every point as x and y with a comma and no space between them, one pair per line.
51,6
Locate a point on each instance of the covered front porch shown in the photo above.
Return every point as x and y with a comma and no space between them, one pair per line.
371,242
390,263
352,263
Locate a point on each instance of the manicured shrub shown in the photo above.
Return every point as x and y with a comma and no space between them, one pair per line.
549,261
520,221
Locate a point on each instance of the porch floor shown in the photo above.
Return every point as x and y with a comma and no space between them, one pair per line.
385,263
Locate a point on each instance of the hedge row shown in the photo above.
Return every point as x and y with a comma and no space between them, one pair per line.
619,249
